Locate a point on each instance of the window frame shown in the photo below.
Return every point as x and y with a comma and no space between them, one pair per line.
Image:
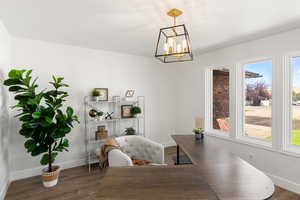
281,106
288,99
240,93
209,101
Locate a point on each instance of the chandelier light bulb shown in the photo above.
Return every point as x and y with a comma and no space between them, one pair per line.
166,47
178,48
184,45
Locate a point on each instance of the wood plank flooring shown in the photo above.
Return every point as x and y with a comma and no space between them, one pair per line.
78,183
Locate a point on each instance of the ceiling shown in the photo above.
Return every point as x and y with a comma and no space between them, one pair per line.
132,26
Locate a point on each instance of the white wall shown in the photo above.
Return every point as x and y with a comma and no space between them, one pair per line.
83,70
284,169
4,128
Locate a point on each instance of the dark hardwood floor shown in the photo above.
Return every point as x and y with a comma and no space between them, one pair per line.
78,183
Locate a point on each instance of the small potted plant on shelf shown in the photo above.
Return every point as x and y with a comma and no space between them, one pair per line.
44,122
130,131
100,114
135,110
95,95
198,133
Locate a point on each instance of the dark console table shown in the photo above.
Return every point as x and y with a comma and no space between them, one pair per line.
228,175
215,174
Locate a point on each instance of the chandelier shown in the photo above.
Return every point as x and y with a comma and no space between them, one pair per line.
173,44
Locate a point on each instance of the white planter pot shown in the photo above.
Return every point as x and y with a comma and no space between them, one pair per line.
50,179
95,98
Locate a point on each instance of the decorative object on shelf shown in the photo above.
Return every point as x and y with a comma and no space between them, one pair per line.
109,116
126,111
95,95
199,130
135,110
44,123
93,113
103,94
129,93
100,113
174,43
130,131
101,133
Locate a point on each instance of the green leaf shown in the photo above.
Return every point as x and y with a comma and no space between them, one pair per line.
49,120
70,111
9,82
31,102
59,79
29,125
33,83
13,73
65,85
65,130
46,159
15,88
23,96
24,118
26,132
65,143
36,151
28,73
30,145
16,74
36,115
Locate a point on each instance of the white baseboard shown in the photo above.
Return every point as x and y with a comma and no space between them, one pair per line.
20,174
285,183
4,189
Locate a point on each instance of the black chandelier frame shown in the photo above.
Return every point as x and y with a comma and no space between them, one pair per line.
164,57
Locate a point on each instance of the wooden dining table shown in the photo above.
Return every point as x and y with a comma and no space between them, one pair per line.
214,174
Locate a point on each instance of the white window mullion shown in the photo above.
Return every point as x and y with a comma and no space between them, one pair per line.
278,102
233,102
208,100
239,89
289,62
286,104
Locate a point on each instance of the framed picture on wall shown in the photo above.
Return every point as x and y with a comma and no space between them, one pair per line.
103,94
126,111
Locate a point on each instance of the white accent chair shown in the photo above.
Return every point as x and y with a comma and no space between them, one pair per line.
137,147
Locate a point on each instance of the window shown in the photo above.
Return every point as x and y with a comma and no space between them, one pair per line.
295,132
220,99
258,100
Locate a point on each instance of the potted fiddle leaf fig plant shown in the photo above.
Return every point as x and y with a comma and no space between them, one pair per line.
45,123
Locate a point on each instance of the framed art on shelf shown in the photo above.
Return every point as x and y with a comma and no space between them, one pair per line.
126,111
103,94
